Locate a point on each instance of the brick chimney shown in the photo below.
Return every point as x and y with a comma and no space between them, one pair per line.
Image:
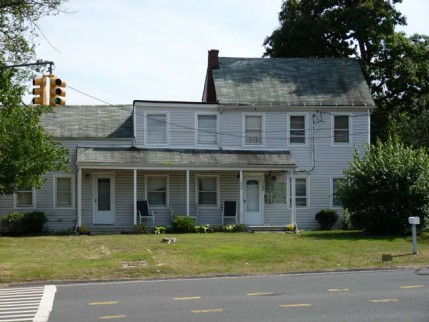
213,63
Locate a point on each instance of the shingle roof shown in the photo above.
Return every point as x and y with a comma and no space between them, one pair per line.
115,121
291,81
185,158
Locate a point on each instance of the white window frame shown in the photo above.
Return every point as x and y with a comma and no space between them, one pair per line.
167,128
307,192
305,129
198,129
332,192
73,202
33,200
167,192
262,115
333,129
197,191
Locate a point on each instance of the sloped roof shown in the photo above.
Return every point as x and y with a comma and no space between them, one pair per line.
179,158
291,81
98,121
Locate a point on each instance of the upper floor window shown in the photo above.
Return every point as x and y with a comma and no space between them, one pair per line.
64,192
253,129
25,198
157,190
207,129
207,190
341,129
156,128
297,129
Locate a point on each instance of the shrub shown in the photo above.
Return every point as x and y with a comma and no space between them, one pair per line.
202,229
141,229
214,228
326,218
386,186
19,223
183,224
235,228
290,227
83,230
160,230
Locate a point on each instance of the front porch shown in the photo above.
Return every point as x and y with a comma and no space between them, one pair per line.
108,192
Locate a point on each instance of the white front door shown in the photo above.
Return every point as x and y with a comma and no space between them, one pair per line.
104,201
253,200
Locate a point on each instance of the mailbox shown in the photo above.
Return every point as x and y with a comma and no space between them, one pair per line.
414,220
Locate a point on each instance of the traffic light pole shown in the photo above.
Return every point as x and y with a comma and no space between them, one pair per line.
50,63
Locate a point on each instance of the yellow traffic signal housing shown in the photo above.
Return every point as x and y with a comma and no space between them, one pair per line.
57,91
39,91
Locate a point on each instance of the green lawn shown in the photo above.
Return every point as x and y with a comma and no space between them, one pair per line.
145,256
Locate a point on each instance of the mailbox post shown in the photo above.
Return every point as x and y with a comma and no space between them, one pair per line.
414,221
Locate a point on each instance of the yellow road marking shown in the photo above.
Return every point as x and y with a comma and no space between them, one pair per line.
412,286
108,317
295,305
207,311
103,303
338,290
186,298
261,293
384,300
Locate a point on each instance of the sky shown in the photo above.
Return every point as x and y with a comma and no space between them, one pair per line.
117,51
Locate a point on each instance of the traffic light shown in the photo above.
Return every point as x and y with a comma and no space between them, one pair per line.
57,91
39,91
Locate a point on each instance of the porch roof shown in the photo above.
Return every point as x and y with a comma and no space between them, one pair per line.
183,159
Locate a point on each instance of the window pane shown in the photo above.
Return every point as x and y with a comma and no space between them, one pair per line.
64,192
341,129
207,127
279,192
300,193
24,198
335,201
157,190
156,128
253,131
104,194
297,129
207,191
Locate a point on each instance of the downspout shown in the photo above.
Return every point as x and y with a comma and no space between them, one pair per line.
219,134
79,198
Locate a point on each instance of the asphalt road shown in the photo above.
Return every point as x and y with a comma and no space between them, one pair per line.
398,295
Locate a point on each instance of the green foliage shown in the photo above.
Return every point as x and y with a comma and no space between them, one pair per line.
27,152
141,229
215,228
83,230
385,187
346,222
235,228
290,227
202,229
19,223
183,224
160,230
326,218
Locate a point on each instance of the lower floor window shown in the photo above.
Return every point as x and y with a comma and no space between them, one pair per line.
25,198
207,190
157,191
335,200
300,193
64,192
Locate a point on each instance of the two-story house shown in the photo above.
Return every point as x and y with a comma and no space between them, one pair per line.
273,135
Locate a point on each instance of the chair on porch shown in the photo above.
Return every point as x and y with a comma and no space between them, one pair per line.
229,211
144,212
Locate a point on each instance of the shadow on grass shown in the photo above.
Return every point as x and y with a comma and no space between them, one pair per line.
346,235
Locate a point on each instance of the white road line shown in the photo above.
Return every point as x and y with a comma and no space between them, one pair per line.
31,304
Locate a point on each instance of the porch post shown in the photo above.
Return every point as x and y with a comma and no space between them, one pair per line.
135,195
187,192
241,196
293,206
79,198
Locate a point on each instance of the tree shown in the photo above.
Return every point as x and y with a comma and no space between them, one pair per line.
27,152
386,186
